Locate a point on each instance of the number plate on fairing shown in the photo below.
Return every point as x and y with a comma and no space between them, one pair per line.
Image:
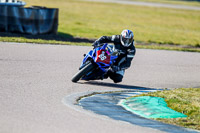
103,56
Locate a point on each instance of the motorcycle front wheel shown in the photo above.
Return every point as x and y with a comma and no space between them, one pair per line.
89,67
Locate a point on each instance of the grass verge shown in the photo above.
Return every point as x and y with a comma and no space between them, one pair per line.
88,42
184,100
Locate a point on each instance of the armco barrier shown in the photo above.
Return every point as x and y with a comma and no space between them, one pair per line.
33,20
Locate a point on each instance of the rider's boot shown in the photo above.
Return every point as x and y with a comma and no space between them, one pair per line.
106,75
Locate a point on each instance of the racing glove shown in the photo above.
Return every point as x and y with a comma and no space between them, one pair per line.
95,44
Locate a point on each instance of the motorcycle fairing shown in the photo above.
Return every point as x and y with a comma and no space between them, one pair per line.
100,56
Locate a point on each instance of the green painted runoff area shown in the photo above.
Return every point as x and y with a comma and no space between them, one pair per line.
150,107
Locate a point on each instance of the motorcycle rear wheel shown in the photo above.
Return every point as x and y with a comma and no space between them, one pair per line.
89,67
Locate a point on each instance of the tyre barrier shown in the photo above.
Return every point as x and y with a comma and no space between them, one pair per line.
32,20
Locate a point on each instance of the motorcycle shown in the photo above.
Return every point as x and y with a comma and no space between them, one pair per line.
96,63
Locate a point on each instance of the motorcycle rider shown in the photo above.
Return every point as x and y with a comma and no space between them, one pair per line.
123,43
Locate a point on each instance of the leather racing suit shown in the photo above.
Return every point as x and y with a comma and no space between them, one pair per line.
123,61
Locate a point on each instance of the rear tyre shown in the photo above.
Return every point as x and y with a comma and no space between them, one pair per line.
89,67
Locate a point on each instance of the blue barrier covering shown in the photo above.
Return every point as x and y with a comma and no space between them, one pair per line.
150,107
33,20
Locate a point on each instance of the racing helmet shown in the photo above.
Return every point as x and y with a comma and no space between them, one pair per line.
126,37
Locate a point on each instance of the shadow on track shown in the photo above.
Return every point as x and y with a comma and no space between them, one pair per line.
114,85
57,37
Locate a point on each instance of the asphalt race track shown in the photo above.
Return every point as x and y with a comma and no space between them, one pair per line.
35,78
151,4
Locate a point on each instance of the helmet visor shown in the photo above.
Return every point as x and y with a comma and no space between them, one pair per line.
127,41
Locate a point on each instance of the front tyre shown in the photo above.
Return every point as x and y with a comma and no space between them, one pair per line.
89,67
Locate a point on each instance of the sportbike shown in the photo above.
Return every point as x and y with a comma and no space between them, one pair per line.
96,63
